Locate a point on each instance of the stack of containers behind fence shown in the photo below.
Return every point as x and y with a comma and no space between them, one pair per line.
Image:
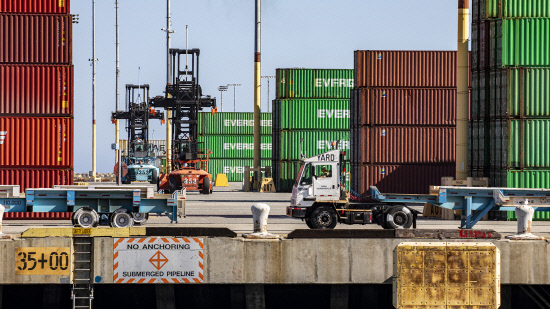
511,95
36,93
230,138
403,121
311,110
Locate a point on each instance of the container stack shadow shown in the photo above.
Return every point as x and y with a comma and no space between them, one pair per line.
403,120
510,123
36,93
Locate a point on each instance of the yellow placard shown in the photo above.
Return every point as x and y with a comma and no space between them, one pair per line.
82,231
42,261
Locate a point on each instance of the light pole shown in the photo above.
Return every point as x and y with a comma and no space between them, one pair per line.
268,78
234,95
93,60
168,31
222,89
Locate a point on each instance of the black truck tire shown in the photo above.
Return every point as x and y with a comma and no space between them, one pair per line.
323,217
205,186
155,178
308,223
398,217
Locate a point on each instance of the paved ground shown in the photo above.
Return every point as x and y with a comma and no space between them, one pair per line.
230,207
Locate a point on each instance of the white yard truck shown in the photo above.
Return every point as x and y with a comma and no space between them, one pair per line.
319,198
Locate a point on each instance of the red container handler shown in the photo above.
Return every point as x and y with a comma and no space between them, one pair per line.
35,39
407,145
36,177
36,142
36,6
407,179
40,90
398,68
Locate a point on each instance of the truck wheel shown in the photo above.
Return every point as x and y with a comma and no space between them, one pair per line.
127,180
205,186
323,218
308,223
171,186
399,217
155,178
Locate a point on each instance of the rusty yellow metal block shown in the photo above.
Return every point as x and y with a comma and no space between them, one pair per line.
446,275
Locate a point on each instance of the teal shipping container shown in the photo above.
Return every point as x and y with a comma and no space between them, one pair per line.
520,42
313,83
232,123
291,144
311,114
233,168
235,146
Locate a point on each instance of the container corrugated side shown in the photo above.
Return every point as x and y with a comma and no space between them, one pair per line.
233,168
36,6
235,146
36,89
314,143
407,145
313,83
406,106
233,123
515,8
35,178
523,87
498,144
537,216
35,39
36,142
408,179
399,68
522,42
529,143
314,114
539,179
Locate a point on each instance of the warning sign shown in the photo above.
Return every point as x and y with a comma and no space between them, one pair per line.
158,260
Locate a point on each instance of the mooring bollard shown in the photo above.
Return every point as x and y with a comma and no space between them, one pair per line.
524,213
2,235
260,212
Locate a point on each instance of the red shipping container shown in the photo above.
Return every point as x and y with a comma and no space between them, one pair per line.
36,142
37,89
36,6
405,106
37,215
36,178
35,39
407,179
427,69
407,145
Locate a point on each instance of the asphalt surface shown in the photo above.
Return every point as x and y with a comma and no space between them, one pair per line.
230,207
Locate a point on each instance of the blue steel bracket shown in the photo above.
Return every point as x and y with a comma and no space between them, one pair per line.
70,200
471,220
136,200
30,199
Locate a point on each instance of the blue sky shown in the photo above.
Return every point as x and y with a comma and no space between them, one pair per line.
295,33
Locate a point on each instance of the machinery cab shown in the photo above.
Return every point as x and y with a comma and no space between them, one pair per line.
141,163
318,179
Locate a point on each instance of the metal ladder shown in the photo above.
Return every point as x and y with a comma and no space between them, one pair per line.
83,292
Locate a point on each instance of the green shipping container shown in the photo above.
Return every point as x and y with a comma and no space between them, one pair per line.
314,83
514,8
312,114
232,123
520,42
235,146
233,168
314,142
538,216
521,92
529,143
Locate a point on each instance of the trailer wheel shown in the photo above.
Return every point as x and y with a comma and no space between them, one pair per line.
122,218
140,218
171,186
323,218
85,217
399,217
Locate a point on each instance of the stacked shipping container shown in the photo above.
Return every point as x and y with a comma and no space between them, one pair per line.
311,110
403,120
510,96
230,138
36,93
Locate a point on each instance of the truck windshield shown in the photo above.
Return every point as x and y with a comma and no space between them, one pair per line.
307,171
